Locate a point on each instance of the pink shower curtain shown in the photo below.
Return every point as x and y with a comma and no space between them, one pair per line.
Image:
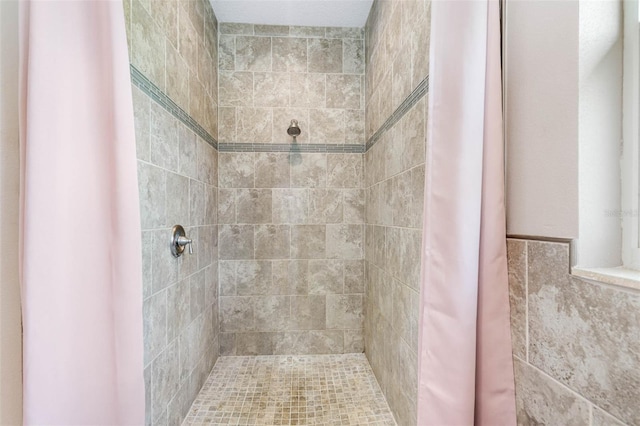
465,365
80,225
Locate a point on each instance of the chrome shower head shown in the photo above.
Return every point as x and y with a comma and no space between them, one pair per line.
293,129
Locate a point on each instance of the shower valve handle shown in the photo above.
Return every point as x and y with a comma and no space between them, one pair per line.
179,240
183,241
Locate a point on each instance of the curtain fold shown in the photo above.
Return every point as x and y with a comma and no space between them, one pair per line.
80,237
465,364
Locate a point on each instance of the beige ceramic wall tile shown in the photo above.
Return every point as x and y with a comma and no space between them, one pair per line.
307,90
578,327
289,54
253,53
147,45
324,55
254,125
540,400
271,89
308,241
517,259
236,88
237,170
273,241
343,91
327,126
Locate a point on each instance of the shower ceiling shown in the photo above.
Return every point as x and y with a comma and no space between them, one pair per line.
320,13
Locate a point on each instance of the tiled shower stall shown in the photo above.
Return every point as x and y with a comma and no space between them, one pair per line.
313,247
300,248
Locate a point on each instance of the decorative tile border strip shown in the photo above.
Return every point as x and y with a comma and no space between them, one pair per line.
417,94
155,93
291,147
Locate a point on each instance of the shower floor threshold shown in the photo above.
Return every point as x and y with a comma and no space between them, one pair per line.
291,390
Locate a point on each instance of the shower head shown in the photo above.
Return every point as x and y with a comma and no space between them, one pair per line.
293,129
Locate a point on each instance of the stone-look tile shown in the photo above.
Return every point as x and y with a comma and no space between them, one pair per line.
165,378
404,310
577,327
282,120
308,313
236,170
540,400
187,39
207,163
236,314
344,170
325,206
254,125
227,52
258,343
163,138
324,55
147,263
272,241
141,115
353,276
253,53
296,31
420,42
309,171
310,342
187,152
236,241
148,419
291,276
403,255
326,277
253,206
345,32
164,266
345,241
272,170
196,201
353,341
154,326
345,311
289,54
253,277
227,124
307,90
227,206
272,312
178,312
290,205
308,241
354,126
354,203
236,88
152,183
343,91
235,28
600,418
227,277
274,30
353,56
177,199
327,126
147,45
197,284
177,76
517,260
413,126
401,76
227,344
270,89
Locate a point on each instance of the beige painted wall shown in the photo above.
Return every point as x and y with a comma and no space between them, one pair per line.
10,319
541,103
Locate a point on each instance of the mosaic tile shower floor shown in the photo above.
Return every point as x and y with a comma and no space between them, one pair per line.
291,390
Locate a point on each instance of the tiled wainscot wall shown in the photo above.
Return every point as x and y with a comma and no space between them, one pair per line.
173,53
397,40
291,220
576,342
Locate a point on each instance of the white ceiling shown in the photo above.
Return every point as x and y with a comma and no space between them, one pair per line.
316,13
